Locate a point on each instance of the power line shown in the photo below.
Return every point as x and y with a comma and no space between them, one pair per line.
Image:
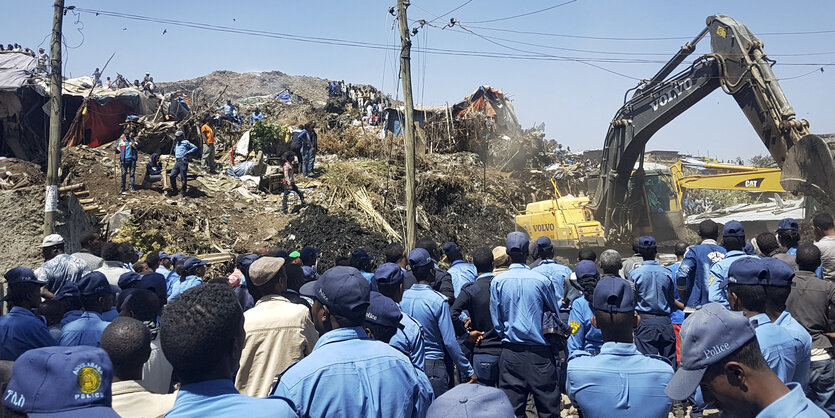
524,14
451,11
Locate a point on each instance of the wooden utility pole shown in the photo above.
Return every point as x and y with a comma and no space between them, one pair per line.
406,77
55,110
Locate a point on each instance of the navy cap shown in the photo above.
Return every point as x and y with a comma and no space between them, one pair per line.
707,336
780,274
788,224
360,255
154,282
748,271
544,243
61,381
344,291
308,252
67,290
163,255
193,262
419,257
128,279
749,248
472,401
517,242
309,289
389,274
383,311
733,229
451,248
176,258
586,268
613,294
22,275
647,243
94,283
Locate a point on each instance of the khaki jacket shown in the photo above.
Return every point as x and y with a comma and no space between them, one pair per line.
131,400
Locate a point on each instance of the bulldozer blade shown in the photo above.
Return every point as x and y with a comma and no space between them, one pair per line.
809,169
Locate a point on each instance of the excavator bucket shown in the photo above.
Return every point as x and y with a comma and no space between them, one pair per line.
809,169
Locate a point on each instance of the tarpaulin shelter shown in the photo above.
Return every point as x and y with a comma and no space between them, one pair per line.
23,124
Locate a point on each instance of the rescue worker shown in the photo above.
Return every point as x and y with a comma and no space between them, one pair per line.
583,335
20,329
655,302
747,278
722,356
694,273
347,373
619,381
289,182
733,239
207,162
518,299
256,116
409,338
431,310
97,297
126,148
181,149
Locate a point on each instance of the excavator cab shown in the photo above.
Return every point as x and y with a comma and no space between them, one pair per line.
657,203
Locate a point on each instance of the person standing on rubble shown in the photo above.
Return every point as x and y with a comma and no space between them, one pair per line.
208,160
181,148
290,181
126,147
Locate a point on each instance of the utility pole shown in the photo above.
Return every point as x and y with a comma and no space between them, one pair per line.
55,110
406,77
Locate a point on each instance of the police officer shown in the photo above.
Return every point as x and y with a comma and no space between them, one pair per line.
549,268
347,374
779,286
21,329
181,149
382,318
409,336
655,297
694,271
619,380
70,296
747,280
721,354
430,308
788,236
733,239
461,271
97,296
193,271
442,281
518,299
583,335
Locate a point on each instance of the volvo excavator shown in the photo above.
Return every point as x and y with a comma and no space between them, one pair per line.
739,66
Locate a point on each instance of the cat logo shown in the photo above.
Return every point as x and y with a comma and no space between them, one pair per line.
575,326
721,31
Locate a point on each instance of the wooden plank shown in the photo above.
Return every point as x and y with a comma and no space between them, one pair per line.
71,187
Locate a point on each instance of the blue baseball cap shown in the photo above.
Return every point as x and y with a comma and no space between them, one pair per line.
383,311
419,257
193,262
647,243
94,283
780,274
67,290
613,294
309,253
389,274
788,224
344,291
707,336
128,279
586,268
61,382
471,401
517,242
748,271
360,255
163,255
451,248
733,229
308,289
154,282
22,275
176,258
544,243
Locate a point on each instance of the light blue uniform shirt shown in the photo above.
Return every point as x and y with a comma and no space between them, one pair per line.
170,278
20,331
803,346
219,398
557,273
677,317
777,346
349,375
654,288
462,273
583,335
371,280
694,271
181,148
518,299
86,330
719,274
619,382
792,404
182,284
110,315
71,316
164,271
431,310
409,340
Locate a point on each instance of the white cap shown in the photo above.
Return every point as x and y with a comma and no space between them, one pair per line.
51,240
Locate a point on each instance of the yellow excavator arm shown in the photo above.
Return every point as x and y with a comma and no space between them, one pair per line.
748,178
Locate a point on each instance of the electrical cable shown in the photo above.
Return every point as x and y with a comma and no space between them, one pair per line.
524,14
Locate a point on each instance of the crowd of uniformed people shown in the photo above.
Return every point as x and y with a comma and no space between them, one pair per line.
744,327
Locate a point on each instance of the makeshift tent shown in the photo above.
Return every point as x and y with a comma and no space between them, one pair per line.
15,69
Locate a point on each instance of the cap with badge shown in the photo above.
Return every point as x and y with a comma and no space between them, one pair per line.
52,240
517,242
262,270
344,291
194,262
707,336
389,274
22,275
383,311
788,224
747,271
94,283
780,274
419,257
613,294
61,382
472,401
733,229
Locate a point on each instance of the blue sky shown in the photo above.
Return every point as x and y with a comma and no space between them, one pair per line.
574,100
